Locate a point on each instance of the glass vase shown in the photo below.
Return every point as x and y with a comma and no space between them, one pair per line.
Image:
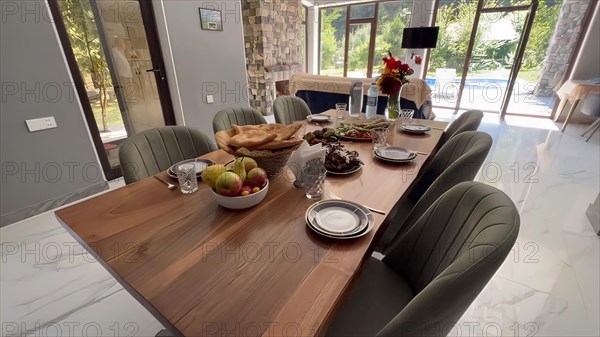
393,107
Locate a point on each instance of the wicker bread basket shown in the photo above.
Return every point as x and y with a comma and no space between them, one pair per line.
273,162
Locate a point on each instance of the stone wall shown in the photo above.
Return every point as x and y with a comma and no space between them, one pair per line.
564,40
272,41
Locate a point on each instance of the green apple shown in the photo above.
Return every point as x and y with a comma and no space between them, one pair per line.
211,173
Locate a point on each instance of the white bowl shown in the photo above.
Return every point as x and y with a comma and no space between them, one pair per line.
241,202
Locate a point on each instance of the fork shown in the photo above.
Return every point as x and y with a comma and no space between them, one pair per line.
169,185
375,210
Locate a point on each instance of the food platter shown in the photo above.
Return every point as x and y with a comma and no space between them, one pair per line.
340,161
350,171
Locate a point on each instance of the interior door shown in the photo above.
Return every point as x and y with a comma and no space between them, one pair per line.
113,51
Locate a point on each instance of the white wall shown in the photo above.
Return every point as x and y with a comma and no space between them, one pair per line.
42,168
201,62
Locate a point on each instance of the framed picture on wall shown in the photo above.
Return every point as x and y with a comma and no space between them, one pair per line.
210,19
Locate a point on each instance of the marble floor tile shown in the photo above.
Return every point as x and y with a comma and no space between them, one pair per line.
51,286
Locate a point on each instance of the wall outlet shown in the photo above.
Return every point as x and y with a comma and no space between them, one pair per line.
210,99
41,123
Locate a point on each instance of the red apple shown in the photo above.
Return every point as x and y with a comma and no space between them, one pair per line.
257,177
246,188
228,184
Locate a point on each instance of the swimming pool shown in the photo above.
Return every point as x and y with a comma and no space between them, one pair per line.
474,82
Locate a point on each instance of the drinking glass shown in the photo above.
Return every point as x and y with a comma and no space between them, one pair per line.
405,118
314,180
380,136
186,175
341,110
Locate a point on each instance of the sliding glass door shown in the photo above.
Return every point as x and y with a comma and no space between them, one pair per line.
493,56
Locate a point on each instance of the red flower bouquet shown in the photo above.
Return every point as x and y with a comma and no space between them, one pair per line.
394,75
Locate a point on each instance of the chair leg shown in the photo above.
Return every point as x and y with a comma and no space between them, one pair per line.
591,134
593,126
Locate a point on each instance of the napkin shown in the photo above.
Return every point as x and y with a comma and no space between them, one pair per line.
302,155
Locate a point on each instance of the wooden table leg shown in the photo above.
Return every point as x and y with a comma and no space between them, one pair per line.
571,112
561,107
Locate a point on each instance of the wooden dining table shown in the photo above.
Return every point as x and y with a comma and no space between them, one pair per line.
203,270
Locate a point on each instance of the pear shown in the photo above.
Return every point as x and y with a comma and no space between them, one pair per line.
239,168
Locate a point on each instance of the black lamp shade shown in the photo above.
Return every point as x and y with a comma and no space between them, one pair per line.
420,37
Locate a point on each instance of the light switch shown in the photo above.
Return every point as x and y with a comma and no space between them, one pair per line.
210,99
41,123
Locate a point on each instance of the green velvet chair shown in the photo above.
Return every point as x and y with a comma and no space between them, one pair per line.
457,161
434,272
239,116
155,150
288,109
468,121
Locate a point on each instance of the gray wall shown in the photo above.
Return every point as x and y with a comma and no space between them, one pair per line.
586,64
200,62
44,169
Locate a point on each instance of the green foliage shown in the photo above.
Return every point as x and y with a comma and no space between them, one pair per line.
85,41
541,34
455,20
331,47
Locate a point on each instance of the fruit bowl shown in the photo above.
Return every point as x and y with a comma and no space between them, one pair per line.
241,202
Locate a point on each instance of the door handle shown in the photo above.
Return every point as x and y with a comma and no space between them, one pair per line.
156,70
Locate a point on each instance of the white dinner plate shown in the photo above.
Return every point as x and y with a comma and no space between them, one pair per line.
200,165
339,219
415,128
318,118
395,154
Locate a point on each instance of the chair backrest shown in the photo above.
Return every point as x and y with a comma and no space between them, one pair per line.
468,121
590,104
239,116
449,255
457,161
155,150
288,109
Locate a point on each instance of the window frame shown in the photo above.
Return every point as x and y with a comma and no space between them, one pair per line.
372,38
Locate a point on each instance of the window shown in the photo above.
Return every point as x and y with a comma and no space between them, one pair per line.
332,39
354,38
